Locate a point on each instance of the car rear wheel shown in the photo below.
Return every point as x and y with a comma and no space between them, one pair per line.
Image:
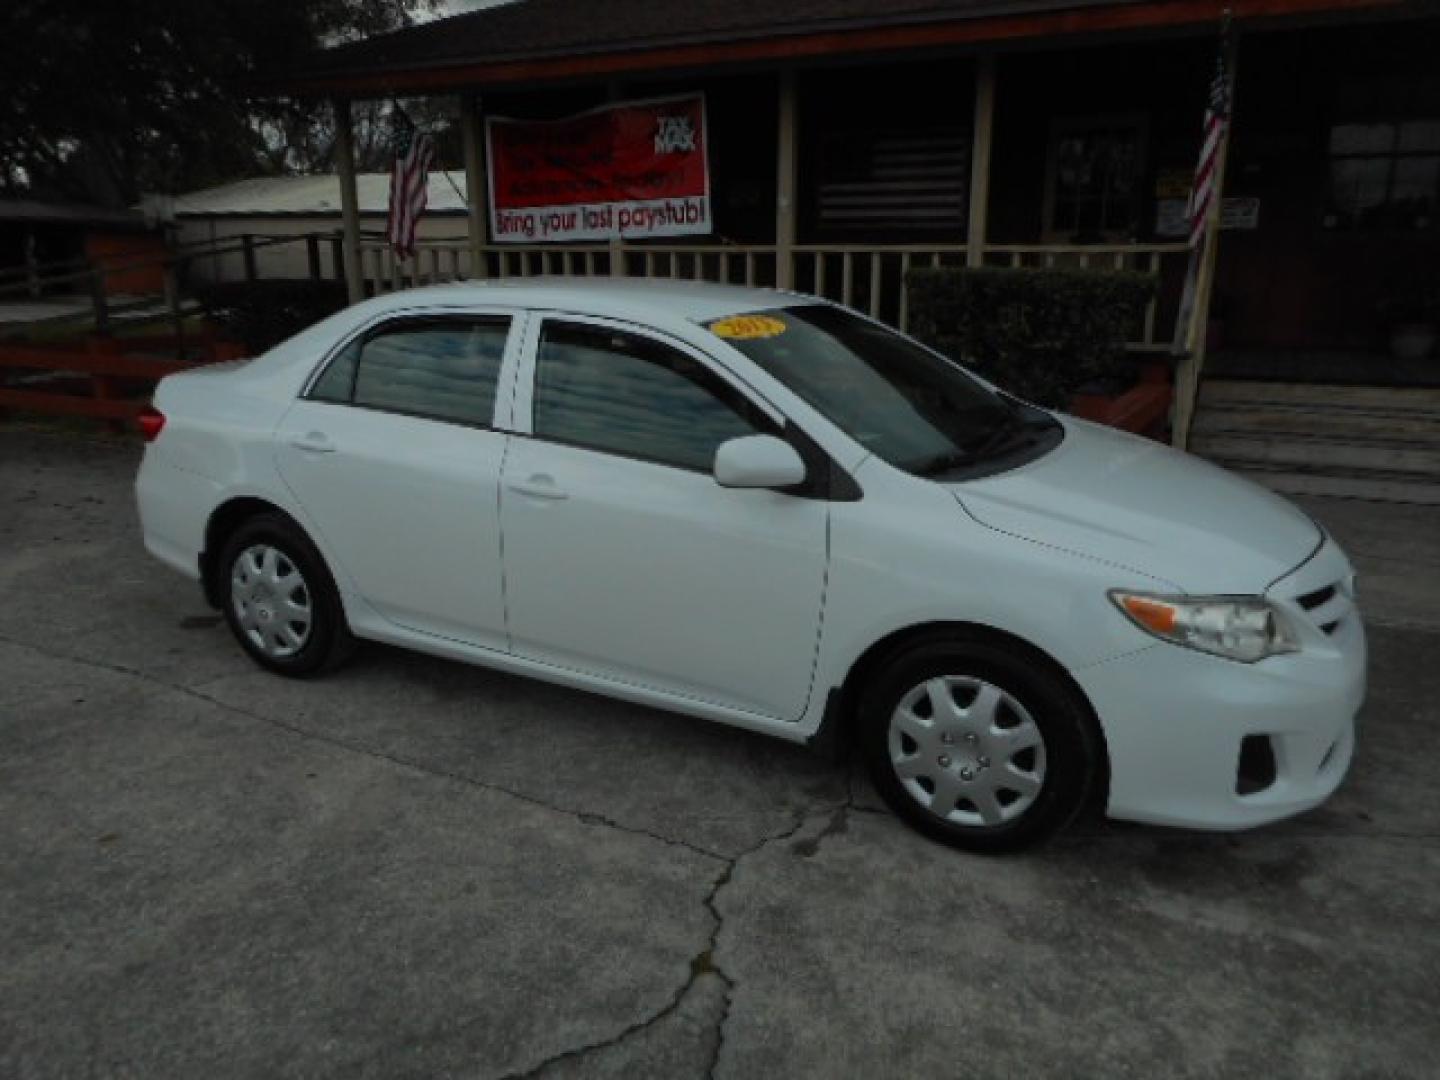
279,599
977,744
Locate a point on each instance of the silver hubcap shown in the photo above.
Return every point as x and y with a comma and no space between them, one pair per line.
967,751
271,600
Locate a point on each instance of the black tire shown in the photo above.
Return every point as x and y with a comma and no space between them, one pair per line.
1072,749
327,642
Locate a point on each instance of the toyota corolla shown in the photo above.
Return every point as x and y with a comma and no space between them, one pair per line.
767,510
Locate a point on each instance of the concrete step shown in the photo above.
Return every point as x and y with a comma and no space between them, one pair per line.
1340,484
1214,392
1319,453
1353,442
1371,423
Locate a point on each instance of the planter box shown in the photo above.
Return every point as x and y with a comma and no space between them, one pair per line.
1143,409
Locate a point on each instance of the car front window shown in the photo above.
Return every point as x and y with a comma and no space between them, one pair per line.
911,407
621,393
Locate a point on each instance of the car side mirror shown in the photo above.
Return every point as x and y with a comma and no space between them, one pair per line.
758,461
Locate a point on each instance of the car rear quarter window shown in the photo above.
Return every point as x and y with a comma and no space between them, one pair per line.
631,395
337,382
441,370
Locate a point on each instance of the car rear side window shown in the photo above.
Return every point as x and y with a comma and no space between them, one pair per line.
442,370
631,395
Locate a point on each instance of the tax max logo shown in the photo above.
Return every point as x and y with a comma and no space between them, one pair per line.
674,135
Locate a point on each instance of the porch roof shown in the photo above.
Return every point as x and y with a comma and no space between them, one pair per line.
536,41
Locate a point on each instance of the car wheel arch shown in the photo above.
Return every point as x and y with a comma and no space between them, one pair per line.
838,726
223,521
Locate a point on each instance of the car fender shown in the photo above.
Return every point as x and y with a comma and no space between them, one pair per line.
956,571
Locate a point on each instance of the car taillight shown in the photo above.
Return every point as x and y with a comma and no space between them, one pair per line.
150,420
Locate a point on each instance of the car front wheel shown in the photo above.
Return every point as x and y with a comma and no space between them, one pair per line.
977,744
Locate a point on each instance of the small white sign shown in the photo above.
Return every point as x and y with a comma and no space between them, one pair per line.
1240,213
1171,218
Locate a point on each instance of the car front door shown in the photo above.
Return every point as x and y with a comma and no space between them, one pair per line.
623,557
393,453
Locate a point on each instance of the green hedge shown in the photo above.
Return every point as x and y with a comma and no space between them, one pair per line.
1039,334
262,314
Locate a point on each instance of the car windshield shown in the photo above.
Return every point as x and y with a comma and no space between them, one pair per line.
912,407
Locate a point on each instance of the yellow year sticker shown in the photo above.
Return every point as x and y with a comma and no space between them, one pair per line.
747,327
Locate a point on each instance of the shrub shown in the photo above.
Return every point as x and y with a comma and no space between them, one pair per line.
1039,334
262,314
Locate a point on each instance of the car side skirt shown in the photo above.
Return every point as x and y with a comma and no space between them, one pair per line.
389,634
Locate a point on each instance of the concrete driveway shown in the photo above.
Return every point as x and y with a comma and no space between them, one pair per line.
414,868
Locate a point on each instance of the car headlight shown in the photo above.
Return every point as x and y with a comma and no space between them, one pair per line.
1244,628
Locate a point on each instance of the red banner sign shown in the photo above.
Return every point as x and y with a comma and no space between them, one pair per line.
637,169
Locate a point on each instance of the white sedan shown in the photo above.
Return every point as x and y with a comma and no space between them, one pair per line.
764,509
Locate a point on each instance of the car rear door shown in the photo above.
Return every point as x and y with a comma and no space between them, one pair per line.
623,557
394,452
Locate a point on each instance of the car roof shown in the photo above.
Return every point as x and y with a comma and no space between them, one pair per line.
643,299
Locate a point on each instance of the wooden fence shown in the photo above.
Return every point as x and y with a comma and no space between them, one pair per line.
103,378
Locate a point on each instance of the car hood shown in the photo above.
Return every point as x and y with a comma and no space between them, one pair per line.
1165,514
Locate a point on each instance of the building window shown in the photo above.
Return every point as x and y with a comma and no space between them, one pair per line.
1092,184
1383,149
1384,174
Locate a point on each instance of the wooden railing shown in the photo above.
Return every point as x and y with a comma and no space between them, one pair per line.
90,278
870,278
448,259
37,278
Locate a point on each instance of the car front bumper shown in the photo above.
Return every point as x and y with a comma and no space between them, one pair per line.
1175,720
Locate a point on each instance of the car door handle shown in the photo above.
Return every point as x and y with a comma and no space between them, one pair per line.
538,486
314,442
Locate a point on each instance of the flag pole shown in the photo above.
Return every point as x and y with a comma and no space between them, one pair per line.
1200,278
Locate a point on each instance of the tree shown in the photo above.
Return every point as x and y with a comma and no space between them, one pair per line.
105,101
298,137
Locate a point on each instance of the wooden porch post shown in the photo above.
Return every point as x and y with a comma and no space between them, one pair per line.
473,130
618,259
349,201
32,267
981,134
785,184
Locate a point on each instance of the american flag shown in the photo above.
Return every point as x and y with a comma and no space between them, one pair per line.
409,181
1217,116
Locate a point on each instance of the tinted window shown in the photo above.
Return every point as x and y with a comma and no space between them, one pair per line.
337,382
444,370
631,395
913,408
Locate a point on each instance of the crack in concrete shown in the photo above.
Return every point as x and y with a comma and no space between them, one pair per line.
712,904
839,823
615,1040
703,963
